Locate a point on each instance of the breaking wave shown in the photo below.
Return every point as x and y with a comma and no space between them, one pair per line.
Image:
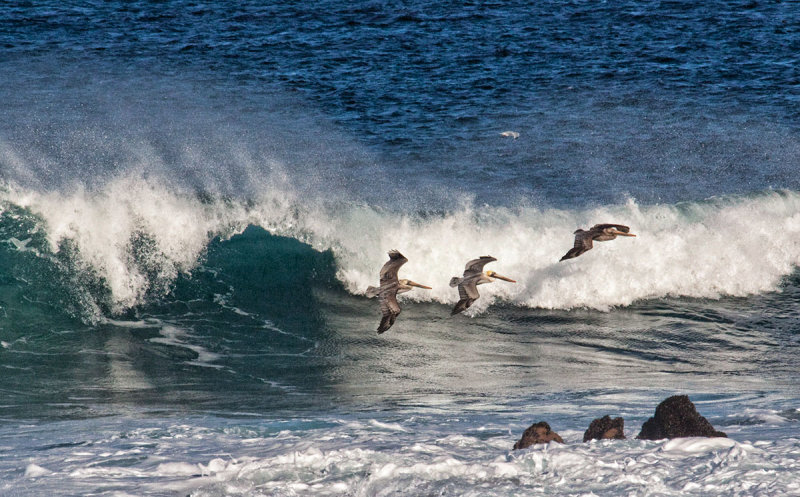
133,237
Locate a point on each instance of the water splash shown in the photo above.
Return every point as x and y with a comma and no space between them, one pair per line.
138,236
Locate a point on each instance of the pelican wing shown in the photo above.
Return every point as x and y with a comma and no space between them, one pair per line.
390,309
386,323
469,290
583,243
389,303
475,266
467,293
389,270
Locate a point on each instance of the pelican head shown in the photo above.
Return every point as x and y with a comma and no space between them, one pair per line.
492,274
405,282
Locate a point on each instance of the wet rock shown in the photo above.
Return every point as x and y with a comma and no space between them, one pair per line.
605,428
677,417
537,433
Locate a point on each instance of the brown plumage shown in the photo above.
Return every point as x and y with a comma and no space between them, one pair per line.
468,284
390,286
597,233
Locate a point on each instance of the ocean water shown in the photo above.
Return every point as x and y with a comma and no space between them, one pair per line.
194,197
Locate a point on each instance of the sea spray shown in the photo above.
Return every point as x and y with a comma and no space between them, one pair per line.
134,234
138,236
728,246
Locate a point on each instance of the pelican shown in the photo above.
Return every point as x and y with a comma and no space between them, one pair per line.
473,276
390,287
598,232
510,134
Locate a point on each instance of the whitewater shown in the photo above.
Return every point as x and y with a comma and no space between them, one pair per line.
194,198
416,459
727,246
450,405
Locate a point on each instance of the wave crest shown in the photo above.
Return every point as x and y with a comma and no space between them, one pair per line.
138,236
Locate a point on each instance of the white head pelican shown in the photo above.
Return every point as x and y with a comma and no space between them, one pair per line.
599,233
390,287
468,284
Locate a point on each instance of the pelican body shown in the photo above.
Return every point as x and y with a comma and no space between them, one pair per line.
468,284
390,286
597,233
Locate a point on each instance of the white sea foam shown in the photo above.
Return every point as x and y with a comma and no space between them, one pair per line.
729,246
35,471
386,426
700,444
178,469
177,337
21,245
358,457
734,246
676,467
102,225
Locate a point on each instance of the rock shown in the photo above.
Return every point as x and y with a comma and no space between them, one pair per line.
538,433
605,427
677,417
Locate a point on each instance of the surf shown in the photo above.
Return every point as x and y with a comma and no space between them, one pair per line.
134,238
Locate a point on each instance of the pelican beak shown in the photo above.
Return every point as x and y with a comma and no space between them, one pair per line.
495,275
622,233
419,286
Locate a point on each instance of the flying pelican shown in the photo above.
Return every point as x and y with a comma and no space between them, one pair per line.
598,232
473,276
390,287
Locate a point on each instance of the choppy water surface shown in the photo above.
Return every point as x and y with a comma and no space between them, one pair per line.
195,196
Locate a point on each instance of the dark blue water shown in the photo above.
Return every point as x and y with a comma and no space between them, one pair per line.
194,197
648,99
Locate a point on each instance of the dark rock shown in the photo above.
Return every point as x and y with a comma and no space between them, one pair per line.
538,433
605,427
677,417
